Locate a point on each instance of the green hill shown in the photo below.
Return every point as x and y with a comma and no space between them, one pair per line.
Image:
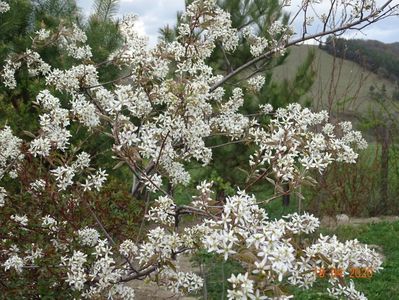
341,86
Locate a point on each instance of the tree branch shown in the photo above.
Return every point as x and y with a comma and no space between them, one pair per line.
303,39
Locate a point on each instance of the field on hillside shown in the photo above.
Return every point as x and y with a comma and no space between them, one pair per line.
340,84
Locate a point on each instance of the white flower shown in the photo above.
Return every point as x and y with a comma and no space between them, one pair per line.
64,176
50,223
10,150
38,185
3,195
85,111
4,7
76,276
266,108
162,115
153,182
42,34
97,180
257,44
22,220
33,254
72,40
14,261
256,82
9,72
88,236
181,282
163,212
40,146
82,161
122,292
242,287
128,248
302,223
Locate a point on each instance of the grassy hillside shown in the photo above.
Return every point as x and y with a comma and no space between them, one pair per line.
340,85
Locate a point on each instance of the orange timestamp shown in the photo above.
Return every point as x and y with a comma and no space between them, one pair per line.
338,272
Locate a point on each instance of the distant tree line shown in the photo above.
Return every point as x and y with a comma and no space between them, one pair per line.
378,57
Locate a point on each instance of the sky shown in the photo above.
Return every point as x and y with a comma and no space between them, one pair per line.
155,14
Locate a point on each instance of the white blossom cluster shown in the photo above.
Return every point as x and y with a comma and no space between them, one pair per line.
101,273
38,185
344,255
34,64
258,44
182,282
22,220
64,175
54,122
50,223
346,291
230,121
10,151
10,157
256,82
305,223
3,196
85,111
244,232
134,50
4,7
292,137
17,262
163,212
218,24
153,183
121,291
76,271
33,254
278,35
71,80
88,236
42,34
242,287
95,181
8,73
202,200
128,248
71,39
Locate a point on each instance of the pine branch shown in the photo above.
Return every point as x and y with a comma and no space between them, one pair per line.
105,9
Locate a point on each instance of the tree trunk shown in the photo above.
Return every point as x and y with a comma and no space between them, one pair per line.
286,196
384,171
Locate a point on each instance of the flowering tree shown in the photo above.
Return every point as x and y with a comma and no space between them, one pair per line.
159,115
